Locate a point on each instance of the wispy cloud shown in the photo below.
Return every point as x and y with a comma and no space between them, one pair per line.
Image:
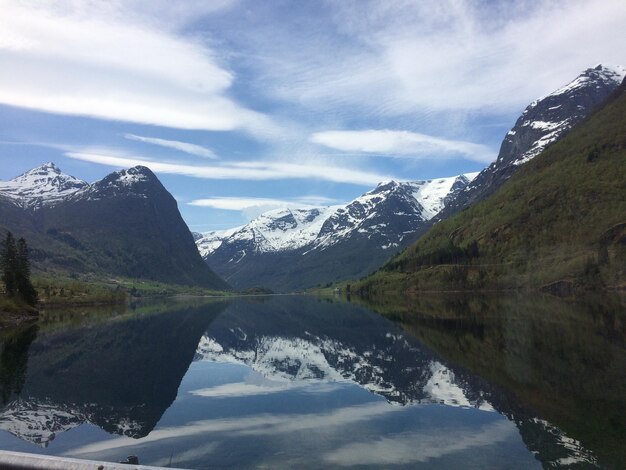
112,60
240,203
418,447
254,425
252,207
238,170
186,147
244,389
387,142
403,57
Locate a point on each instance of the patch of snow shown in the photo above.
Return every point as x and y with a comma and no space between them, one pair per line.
44,185
607,74
318,228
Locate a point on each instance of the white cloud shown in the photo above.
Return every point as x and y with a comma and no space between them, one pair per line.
110,61
419,446
241,203
245,389
252,207
240,170
401,143
253,425
403,57
185,147
238,203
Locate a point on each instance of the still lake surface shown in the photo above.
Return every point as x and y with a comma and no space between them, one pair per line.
295,381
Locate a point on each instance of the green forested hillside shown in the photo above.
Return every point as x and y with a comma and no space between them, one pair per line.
559,223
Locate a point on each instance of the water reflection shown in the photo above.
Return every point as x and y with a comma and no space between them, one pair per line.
558,364
120,375
14,345
295,381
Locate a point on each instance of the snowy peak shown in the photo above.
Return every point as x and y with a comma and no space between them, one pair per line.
137,181
273,231
374,213
546,120
596,76
429,196
542,123
45,184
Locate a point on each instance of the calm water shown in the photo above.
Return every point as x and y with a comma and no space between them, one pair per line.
302,382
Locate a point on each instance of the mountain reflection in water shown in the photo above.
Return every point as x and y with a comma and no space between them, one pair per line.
298,381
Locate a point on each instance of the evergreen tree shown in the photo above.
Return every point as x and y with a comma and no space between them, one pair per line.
15,268
8,260
24,285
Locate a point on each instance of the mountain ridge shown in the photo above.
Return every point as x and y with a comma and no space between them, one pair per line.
543,122
557,224
293,248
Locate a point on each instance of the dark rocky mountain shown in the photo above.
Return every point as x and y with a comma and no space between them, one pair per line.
543,122
126,224
288,249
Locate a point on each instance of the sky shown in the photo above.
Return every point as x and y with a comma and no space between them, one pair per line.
242,106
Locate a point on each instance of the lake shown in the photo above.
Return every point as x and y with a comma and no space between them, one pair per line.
295,381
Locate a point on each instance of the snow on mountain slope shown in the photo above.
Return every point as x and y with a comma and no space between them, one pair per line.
45,184
283,230
547,118
542,123
607,74
210,241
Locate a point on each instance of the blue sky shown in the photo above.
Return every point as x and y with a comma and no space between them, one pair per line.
241,106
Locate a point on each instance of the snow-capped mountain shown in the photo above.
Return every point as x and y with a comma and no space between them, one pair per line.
47,185
125,224
44,185
359,234
542,123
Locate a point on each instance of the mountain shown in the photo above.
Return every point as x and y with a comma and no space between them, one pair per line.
558,223
126,224
543,122
44,185
288,249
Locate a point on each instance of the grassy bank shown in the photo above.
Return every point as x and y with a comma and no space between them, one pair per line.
14,312
56,290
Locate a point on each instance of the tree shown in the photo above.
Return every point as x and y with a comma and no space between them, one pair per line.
8,260
16,270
